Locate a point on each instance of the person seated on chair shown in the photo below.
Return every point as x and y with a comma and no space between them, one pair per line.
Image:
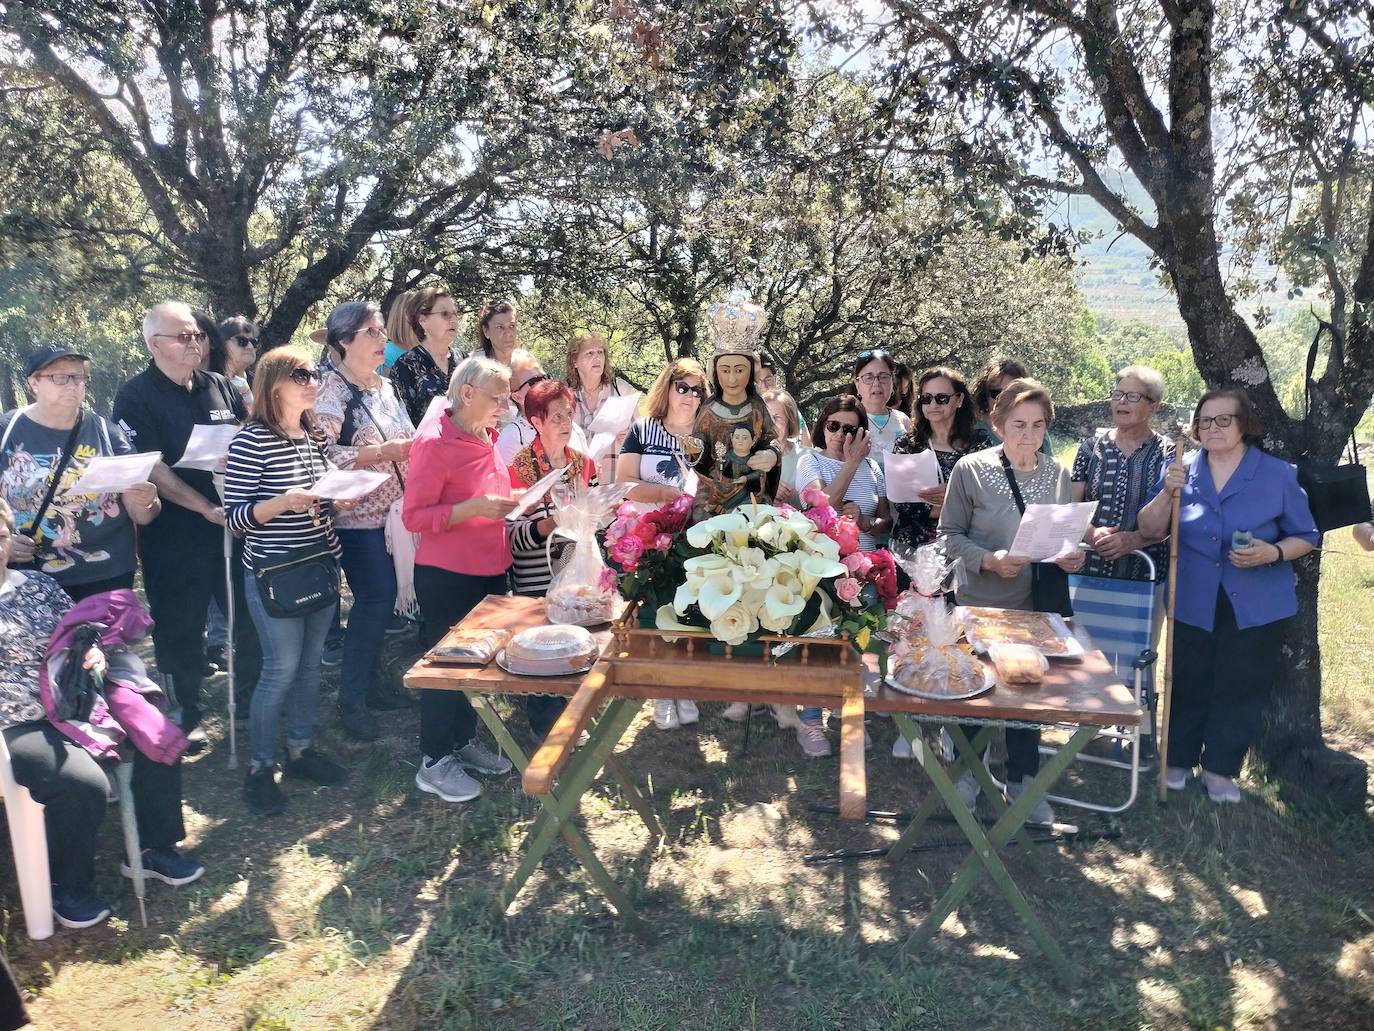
62,776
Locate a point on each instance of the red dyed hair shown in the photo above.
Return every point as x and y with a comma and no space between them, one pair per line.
543,394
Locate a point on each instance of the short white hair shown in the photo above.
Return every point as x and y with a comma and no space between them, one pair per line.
474,370
178,308
523,359
1151,379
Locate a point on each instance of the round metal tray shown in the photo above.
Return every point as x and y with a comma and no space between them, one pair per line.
501,661
989,681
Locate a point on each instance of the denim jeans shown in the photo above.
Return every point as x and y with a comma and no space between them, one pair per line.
291,652
372,579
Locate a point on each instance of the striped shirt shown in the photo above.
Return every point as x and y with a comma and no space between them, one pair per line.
262,466
865,489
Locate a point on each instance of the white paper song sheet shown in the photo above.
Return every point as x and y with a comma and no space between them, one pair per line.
615,415
907,475
1049,531
348,484
208,448
535,494
600,445
110,474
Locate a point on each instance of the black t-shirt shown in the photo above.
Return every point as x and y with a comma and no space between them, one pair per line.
159,414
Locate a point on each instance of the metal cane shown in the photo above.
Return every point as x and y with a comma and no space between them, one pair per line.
231,649
1169,634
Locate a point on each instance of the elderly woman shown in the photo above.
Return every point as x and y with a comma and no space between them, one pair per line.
550,408
83,541
592,381
1243,521
944,425
457,497
274,461
497,331
788,424
660,450
235,352
425,323
875,384
61,776
1118,469
365,426
519,433
982,510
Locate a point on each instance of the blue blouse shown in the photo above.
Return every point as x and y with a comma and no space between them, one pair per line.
1261,496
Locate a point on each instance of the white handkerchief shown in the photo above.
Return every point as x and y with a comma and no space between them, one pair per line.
110,474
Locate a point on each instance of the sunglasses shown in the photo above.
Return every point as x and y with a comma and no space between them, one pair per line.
532,381
1221,422
305,377
835,426
244,341
939,399
684,388
184,339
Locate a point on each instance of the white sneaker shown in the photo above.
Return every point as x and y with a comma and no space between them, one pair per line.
1176,777
687,712
736,712
476,756
787,717
1042,814
1221,790
968,790
446,778
901,748
665,714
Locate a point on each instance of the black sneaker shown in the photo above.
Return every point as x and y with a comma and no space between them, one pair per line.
398,624
312,764
196,741
261,793
77,907
358,723
167,865
388,699
215,656
333,652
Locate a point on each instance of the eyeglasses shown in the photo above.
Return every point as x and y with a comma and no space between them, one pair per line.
684,388
65,379
531,382
939,399
371,332
1221,422
244,341
448,316
1130,395
305,377
184,339
835,426
876,379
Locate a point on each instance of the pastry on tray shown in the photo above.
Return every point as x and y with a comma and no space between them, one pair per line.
461,647
1018,663
551,651
1040,630
938,671
581,605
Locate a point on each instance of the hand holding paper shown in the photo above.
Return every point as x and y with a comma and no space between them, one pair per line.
348,484
1048,532
208,448
908,475
535,493
111,474
615,415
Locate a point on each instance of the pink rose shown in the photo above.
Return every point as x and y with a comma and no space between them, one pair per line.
617,530
857,563
785,509
845,533
822,518
606,581
848,590
815,498
626,511
663,542
627,551
646,531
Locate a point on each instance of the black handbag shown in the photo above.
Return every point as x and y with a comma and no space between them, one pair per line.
1049,583
298,583
1337,494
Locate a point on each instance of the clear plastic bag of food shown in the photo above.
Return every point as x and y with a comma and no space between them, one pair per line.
577,594
1018,663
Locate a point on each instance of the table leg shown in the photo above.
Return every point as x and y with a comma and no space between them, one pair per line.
985,848
907,726
989,786
556,815
635,797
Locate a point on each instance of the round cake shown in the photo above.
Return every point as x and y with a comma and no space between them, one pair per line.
550,650
581,605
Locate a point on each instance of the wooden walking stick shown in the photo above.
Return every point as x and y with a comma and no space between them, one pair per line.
1169,633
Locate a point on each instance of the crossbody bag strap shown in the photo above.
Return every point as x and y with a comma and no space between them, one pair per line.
1011,482
361,403
63,460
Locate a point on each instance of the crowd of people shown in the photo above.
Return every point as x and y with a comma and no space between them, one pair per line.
458,435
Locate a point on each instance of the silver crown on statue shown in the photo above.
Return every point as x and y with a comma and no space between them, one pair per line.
736,325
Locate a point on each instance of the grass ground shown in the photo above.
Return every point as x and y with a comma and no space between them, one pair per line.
367,906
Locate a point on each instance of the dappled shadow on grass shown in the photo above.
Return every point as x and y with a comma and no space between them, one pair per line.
370,906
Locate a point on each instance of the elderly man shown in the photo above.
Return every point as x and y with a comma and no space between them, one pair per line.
183,548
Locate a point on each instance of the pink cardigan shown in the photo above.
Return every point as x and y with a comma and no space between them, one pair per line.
448,465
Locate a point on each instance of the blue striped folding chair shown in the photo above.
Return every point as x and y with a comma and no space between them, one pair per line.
1118,618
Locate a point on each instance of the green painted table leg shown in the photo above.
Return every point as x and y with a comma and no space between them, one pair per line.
912,832
989,786
558,810
635,797
985,853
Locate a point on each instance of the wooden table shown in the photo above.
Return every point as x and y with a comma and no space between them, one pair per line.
1083,696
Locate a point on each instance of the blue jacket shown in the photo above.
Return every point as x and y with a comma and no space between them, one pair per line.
1262,496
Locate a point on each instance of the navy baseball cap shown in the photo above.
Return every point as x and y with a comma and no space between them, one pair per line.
47,354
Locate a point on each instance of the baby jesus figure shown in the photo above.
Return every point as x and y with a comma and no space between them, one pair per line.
735,465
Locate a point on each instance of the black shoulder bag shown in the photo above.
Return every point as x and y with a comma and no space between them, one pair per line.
1337,494
348,430
34,531
302,581
1049,583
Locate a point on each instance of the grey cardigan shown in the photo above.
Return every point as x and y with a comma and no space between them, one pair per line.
980,516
